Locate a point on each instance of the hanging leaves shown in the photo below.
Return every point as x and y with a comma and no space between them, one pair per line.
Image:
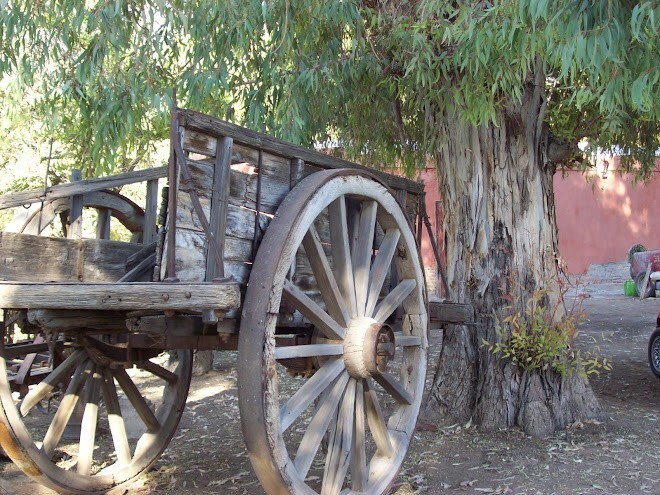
376,77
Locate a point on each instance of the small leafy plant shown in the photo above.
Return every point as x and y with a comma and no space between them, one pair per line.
542,336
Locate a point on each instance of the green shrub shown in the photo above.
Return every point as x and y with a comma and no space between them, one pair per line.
542,337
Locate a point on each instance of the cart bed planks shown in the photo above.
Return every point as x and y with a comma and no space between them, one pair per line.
33,258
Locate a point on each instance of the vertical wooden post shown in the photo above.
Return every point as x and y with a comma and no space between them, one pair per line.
173,182
255,240
150,212
103,223
74,224
297,167
297,170
219,206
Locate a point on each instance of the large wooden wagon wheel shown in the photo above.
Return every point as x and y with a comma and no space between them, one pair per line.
369,345
129,403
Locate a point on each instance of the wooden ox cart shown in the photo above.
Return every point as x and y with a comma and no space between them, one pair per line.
306,264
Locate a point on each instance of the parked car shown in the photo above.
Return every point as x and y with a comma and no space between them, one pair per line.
654,349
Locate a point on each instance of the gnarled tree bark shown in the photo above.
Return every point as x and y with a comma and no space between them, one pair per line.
501,238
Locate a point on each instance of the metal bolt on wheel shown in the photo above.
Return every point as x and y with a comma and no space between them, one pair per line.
340,253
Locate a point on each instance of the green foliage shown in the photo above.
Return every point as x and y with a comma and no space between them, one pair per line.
541,337
378,77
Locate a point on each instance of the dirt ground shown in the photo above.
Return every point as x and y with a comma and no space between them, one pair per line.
618,454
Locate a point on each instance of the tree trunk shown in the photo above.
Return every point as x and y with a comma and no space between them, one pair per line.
501,238
202,363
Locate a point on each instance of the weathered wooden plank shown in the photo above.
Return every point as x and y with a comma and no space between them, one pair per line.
141,255
243,191
56,319
215,127
274,166
150,212
74,222
240,223
451,313
242,195
198,142
141,270
219,205
297,171
120,296
44,259
167,325
178,325
103,223
218,341
80,187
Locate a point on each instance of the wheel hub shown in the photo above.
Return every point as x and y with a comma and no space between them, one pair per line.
368,347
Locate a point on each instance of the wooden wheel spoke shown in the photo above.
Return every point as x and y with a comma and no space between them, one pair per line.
361,256
407,340
310,390
115,418
341,252
135,397
332,297
339,448
317,427
359,473
394,299
300,351
67,406
312,311
376,422
159,371
380,267
88,427
393,387
56,376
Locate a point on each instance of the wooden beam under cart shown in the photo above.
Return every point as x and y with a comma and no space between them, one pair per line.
120,296
451,313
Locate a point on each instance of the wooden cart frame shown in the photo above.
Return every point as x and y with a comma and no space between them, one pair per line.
306,263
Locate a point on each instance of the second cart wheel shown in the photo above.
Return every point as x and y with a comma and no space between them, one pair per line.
95,421
327,255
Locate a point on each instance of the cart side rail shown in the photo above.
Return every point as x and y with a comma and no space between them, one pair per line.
69,189
239,178
202,127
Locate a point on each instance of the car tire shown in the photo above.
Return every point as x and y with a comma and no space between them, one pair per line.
654,352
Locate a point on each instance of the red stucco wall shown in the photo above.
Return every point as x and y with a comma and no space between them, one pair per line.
599,219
